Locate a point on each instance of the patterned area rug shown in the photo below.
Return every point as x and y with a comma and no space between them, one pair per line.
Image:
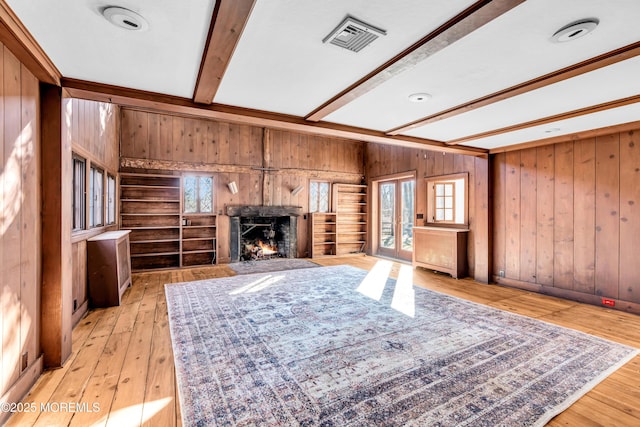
269,265
310,348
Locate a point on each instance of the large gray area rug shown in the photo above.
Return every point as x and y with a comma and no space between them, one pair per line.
305,347
269,265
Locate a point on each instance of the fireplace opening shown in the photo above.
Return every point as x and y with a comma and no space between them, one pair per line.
264,238
263,232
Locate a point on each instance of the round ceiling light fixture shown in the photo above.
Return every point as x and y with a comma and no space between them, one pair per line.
419,97
125,18
575,30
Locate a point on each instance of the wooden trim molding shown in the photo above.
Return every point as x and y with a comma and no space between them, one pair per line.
551,119
228,22
168,165
182,106
474,17
600,61
15,36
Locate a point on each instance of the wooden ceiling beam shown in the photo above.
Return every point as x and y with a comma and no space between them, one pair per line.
600,61
551,119
15,36
227,24
183,106
474,17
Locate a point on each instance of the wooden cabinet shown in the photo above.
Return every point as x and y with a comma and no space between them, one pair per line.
109,267
343,231
161,235
441,249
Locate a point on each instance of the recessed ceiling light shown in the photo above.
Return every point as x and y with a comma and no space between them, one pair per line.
553,130
125,18
575,30
419,97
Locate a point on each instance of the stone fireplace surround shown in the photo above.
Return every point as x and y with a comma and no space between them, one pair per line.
243,214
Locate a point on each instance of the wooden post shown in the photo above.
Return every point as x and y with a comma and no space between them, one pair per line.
57,304
266,161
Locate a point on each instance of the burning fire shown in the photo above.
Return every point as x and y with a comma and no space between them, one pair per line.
267,249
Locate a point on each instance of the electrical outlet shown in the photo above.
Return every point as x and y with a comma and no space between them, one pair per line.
24,362
501,273
608,302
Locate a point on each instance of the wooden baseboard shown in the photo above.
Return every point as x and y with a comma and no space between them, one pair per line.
628,306
77,315
21,387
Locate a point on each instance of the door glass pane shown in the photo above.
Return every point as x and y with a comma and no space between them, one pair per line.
408,189
190,196
206,194
387,212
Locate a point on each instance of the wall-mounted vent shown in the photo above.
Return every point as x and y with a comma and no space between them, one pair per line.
353,34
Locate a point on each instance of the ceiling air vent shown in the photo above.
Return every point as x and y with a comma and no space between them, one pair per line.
353,34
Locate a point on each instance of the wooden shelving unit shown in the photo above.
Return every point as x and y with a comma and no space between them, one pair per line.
198,239
344,231
323,234
150,208
350,205
161,236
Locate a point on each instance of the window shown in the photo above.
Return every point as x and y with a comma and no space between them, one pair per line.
96,184
447,199
319,196
111,199
79,194
198,194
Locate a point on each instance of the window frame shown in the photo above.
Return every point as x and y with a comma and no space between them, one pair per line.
317,201
198,210
95,207
458,212
110,199
79,194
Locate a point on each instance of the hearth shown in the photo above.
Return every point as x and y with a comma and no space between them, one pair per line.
263,232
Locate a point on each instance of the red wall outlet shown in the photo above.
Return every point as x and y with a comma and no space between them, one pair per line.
608,302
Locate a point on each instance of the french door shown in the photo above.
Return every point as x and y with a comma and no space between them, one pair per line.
395,217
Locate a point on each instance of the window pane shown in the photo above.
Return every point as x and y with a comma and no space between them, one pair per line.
448,202
448,190
206,194
439,189
448,215
439,202
387,212
313,196
92,220
439,215
99,197
111,199
323,202
78,194
190,198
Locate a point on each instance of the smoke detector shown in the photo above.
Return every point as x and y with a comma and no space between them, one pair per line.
125,18
353,34
575,30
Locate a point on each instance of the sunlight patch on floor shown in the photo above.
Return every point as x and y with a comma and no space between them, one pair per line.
130,416
258,285
373,284
404,294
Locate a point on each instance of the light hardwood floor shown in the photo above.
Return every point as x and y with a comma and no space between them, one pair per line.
122,358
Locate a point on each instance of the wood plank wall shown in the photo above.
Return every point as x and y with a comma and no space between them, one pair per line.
567,219
235,152
20,269
92,129
384,160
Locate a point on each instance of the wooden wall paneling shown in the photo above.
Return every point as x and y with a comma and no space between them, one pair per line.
431,163
127,123
155,146
30,218
189,149
512,205
629,290
244,152
438,163
13,194
213,147
3,162
79,254
447,163
607,225
140,135
178,137
255,146
471,202
563,216
481,237
498,193
544,215
528,211
234,148
75,120
584,203
56,298
165,138
224,153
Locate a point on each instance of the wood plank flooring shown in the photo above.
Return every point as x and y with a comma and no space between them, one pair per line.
122,360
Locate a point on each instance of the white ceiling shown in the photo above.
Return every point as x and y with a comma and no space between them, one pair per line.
281,65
